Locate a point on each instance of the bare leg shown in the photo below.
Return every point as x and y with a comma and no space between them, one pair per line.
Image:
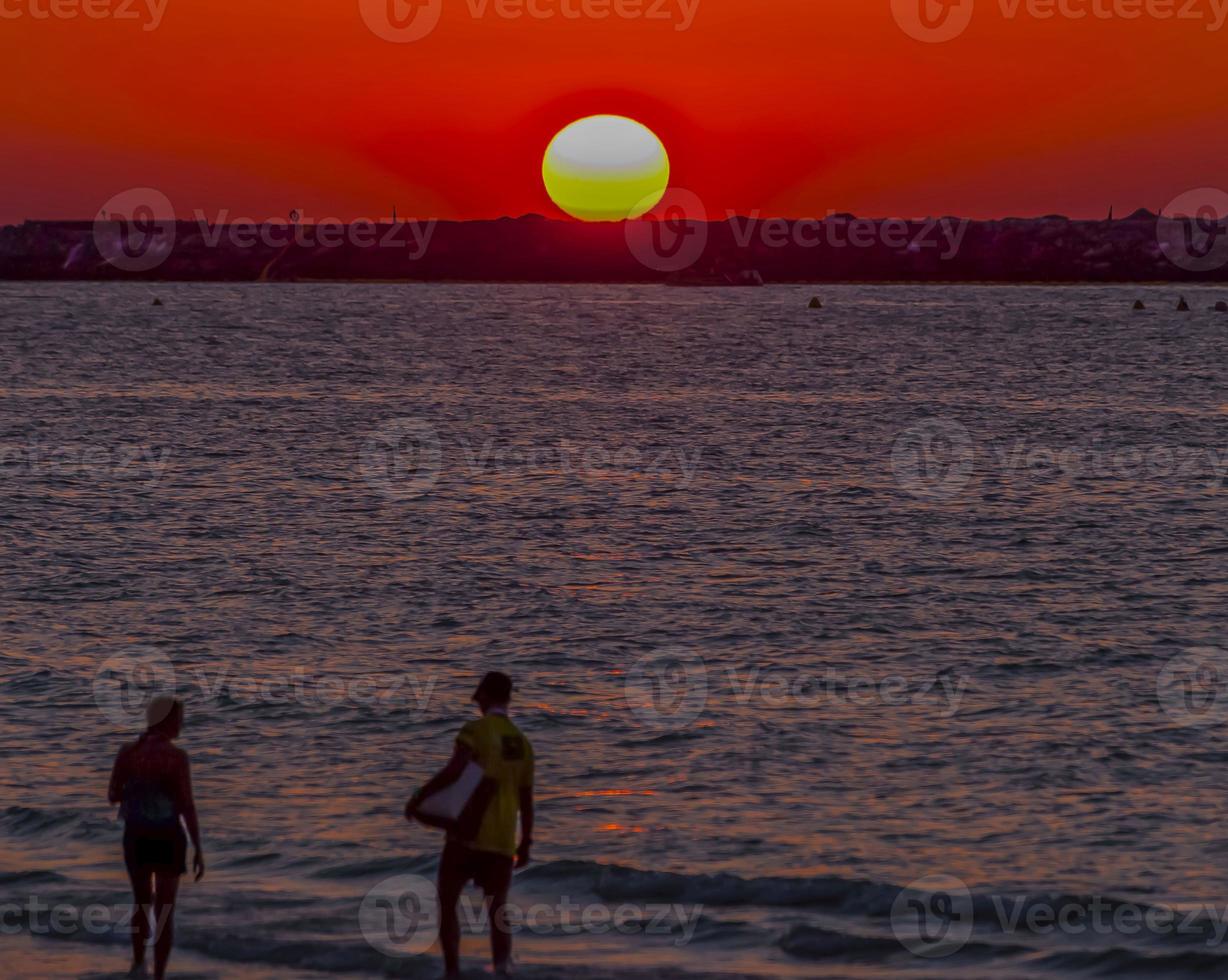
451,884
165,892
142,895
500,934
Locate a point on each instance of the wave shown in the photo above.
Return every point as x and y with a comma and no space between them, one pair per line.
24,821
614,882
855,927
32,877
1118,962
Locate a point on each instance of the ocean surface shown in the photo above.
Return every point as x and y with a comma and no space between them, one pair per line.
847,638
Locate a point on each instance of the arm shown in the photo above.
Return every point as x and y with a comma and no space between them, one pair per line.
461,756
526,826
187,806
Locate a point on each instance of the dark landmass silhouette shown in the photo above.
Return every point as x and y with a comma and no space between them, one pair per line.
1137,248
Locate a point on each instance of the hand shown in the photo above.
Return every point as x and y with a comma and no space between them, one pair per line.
522,854
198,865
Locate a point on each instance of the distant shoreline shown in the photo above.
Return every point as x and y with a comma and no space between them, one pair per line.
936,283
1142,248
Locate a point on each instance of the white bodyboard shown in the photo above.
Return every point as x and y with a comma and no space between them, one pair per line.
449,802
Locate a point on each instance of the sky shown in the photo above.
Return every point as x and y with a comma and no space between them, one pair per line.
778,107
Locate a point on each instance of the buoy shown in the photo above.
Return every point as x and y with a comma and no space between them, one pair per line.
1221,307
1140,305
816,304
157,302
1183,306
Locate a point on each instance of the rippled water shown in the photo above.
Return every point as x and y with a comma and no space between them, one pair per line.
804,606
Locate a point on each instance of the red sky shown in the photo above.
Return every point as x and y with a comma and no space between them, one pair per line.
795,107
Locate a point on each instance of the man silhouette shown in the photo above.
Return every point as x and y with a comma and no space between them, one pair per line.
484,853
152,784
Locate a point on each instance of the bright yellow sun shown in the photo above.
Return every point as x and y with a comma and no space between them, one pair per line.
606,168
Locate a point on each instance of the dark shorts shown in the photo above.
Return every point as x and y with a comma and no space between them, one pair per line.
161,853
489,871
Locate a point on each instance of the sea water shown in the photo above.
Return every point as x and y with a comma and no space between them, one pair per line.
807,610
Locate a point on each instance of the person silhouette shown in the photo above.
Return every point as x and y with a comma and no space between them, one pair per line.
484,849
152,784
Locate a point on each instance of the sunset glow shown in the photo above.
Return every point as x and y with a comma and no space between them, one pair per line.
790,108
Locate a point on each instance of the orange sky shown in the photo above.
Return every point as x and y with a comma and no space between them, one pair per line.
794,107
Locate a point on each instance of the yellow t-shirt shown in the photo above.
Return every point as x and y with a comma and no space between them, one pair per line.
506,756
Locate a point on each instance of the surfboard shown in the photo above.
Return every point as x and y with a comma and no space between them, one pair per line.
445,809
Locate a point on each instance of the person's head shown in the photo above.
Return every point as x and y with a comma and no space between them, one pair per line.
495,691
164,716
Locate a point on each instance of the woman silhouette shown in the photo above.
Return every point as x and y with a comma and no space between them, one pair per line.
152,784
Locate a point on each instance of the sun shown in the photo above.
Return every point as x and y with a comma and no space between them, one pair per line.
606,168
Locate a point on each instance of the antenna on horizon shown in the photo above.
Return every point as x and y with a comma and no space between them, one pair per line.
394,214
